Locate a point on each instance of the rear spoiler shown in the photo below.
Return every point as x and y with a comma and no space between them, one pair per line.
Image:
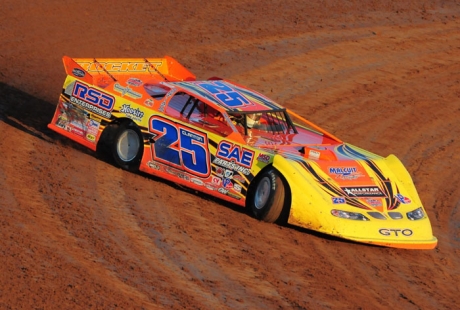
162,69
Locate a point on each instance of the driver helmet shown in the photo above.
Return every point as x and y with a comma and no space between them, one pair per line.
252,119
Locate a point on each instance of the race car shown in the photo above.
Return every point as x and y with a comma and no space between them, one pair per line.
223,139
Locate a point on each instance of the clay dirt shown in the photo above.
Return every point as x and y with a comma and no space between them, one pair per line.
76,232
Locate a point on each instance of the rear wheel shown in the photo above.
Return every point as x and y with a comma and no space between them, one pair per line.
127,146
268,198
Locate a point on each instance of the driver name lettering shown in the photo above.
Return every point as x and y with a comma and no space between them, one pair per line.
192,135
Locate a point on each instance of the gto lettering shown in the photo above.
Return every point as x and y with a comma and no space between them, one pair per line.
233,152
396,232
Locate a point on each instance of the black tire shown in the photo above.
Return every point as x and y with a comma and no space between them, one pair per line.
104,146
128,146
268,196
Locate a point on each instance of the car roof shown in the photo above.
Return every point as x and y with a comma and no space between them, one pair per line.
227,95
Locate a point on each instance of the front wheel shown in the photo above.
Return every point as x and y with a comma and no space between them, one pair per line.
267,200
127,147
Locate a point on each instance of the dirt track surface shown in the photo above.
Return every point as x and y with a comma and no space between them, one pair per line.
79,233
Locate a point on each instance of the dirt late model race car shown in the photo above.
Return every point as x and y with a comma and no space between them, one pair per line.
226,140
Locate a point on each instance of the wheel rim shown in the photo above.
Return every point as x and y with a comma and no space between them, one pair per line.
128,145
262,193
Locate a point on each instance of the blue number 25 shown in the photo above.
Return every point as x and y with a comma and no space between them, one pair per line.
180,146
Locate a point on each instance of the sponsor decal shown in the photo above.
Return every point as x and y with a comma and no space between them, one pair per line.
338,200
233,152
223,191
396,232
312,154
153,165
134,82
126,91
170,171
403,199
220,171
92,108
95,118
263,158
90,137
227,183
92,130
92,99
239,178
363,191
210,186
62,120
148,102
374,202
136,113
117,66
237,187
183,176
78,72
322,148
345,173
216,180
231,165
197,181
77,131
177,173
228,174
162,106
230,194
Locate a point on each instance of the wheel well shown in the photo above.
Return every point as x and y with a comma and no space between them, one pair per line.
109,131
288,199
108,135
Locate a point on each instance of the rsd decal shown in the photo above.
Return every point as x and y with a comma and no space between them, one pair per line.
92,99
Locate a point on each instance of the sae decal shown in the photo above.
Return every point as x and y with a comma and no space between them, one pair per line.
233,152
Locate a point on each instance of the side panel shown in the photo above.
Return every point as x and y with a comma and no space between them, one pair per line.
84,110
81,112
191,156
179,150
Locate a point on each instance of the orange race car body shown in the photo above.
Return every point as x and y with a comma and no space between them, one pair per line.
226,140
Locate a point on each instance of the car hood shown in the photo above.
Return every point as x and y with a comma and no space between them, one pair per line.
348,192
352,176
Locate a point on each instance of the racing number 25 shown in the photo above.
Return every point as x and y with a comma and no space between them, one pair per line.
180,146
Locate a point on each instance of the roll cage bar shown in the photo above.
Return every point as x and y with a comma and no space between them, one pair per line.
277,120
